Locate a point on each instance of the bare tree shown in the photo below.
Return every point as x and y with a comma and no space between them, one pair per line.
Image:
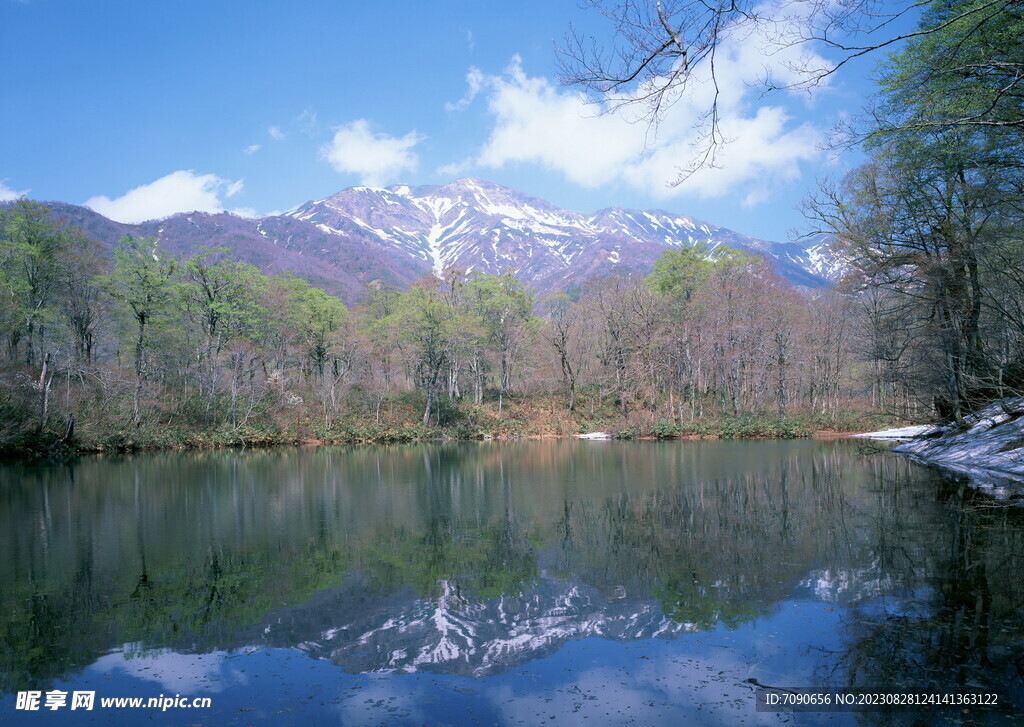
662,48
564,332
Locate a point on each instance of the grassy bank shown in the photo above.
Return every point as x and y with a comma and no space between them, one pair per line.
399,420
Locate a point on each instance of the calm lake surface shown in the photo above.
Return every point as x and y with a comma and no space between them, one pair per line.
557,582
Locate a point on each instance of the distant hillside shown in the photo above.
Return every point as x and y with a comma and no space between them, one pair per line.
399,234
336,263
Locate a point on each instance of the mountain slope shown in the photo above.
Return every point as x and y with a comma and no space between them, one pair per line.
340,264
472,225
363,235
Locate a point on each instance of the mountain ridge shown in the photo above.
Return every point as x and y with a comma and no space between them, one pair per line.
394,235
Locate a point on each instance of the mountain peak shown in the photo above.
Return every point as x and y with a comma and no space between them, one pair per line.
475,183
474,224
400,232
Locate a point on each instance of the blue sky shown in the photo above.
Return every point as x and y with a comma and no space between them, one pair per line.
142,109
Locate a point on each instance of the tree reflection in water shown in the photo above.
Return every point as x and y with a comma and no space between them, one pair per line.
472,558
958,621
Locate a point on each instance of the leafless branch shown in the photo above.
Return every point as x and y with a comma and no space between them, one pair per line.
660,48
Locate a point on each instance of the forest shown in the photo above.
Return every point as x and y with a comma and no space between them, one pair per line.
148,350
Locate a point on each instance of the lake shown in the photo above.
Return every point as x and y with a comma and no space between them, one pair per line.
509,583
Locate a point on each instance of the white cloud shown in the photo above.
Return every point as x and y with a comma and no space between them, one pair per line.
375,158
275,133
253,148
536,122
181,191
9,195
177,673
706,688
475,83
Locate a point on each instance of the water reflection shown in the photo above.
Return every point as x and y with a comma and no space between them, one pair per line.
475,559
953,616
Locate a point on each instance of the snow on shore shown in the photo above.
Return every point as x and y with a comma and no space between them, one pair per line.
990,450
901,433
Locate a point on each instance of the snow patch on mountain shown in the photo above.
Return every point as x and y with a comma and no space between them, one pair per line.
473,224
453,632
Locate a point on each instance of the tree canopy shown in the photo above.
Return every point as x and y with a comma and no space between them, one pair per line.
932,219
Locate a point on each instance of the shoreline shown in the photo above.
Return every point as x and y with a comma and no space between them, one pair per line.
987,447
66,452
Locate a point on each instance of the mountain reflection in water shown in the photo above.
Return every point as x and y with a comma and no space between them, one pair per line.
822,565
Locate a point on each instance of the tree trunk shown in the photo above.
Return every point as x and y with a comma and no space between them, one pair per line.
139,370
430,402
780,390
44,392
504,379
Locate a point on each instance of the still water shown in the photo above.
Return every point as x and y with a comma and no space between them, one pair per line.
548,582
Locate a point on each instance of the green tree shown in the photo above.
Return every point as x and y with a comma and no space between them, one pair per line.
679,272
224,298
313,317
378,305
940,199
505,309
81,303
36,255
425,325
963,71
143,280
920,220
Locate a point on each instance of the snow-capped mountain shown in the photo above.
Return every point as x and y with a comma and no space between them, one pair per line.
475,225
457,633
399,234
